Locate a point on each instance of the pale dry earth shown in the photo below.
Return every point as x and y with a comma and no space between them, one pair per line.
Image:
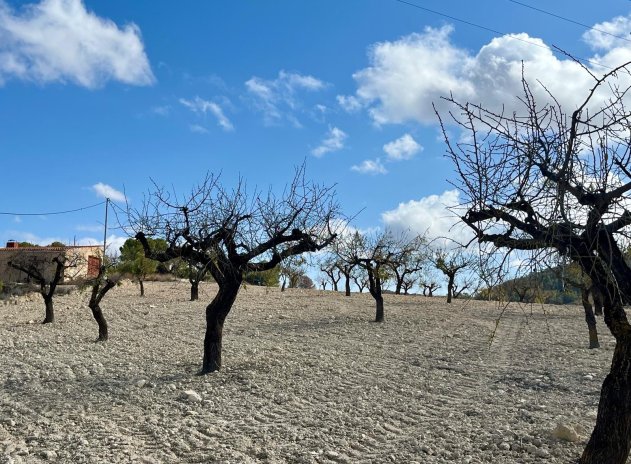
307,378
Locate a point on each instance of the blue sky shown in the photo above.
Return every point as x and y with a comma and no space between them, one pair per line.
99,97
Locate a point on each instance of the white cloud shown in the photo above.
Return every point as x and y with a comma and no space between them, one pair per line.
609,34
107,191
61,41
201,106
17,219
406,76
349,103
372,167
403,148
276,98
429,215
333,141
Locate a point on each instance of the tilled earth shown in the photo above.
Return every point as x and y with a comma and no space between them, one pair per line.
307,378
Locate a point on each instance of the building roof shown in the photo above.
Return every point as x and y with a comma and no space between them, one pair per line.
49,249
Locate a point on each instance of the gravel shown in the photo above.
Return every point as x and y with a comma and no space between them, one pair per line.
307,378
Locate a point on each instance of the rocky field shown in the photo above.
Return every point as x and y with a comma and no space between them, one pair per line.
307,378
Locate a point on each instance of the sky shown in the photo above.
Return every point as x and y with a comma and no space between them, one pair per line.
104,98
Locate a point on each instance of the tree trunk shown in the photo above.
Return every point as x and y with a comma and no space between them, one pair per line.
598,301
348,286
142,288
450,289
50,311
379,305
100,320
194,291
216,313
611,439
590,319
335,286
397,290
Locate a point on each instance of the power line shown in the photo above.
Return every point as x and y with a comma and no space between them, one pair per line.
494,31
586,26
53,212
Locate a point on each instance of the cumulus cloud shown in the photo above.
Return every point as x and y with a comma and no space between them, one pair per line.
403,148
333,141
371,167
61,41
201,106
406,76
430,215
107,191
276,98
609,34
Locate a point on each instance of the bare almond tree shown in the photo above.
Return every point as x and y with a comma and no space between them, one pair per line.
451,262
374,254
47,271
547,180
234,232
100,286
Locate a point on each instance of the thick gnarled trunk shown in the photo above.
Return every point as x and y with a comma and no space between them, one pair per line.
97,313
348,285
610,441
216,313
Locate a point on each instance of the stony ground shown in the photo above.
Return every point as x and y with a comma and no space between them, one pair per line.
307,378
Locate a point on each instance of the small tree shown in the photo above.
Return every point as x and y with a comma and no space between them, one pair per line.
291,270
133,260
451,262
374,254
412,256
234,233
47,272
329,267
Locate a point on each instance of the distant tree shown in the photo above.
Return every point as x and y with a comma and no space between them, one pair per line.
304,281
27,245
291,270
329,267
57,244
412,256
269,278
233,233
450,262
360,277
47,271
134,262
374,254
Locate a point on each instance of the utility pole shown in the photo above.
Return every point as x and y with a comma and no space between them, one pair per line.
107,201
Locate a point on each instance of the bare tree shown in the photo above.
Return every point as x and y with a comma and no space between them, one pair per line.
291,270
233,232
100,285
47,271
196,274
412,256
450,262
543,181
329,267
374,254
360,278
